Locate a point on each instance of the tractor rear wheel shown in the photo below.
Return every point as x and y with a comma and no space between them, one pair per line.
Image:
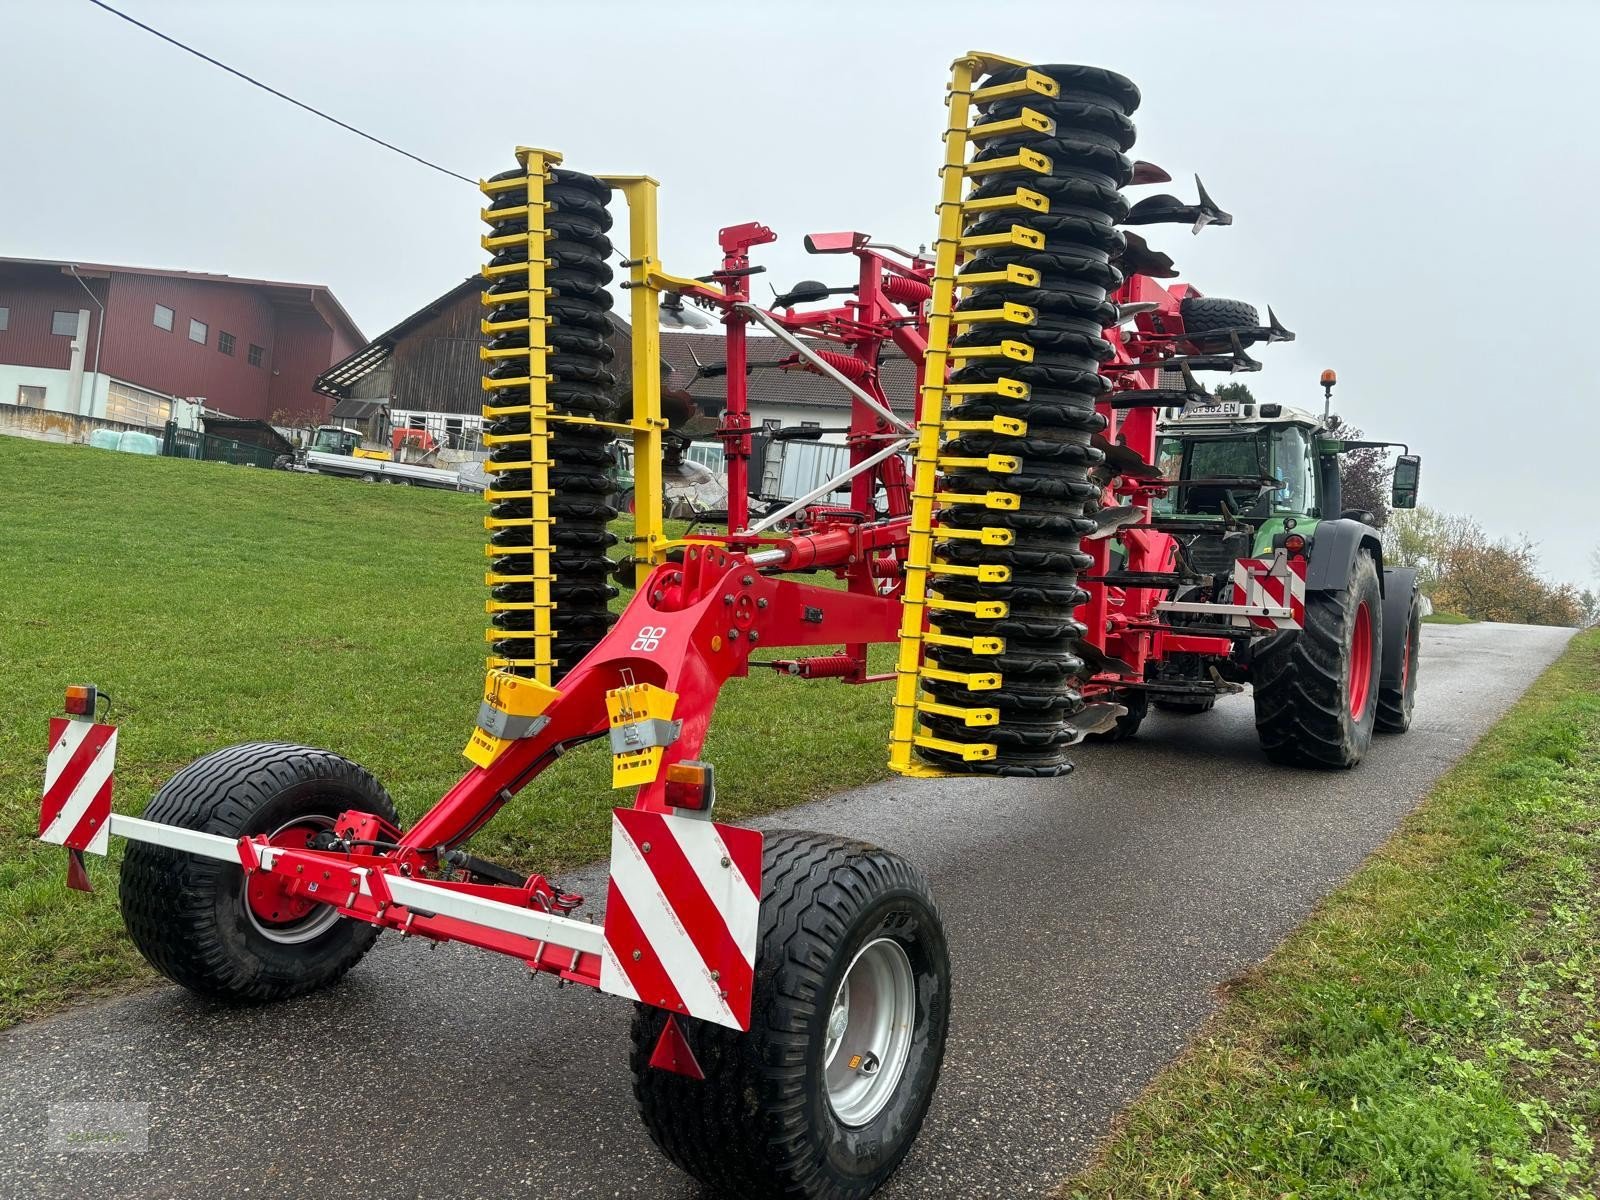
200,922
825,1094
1396,702
1316,691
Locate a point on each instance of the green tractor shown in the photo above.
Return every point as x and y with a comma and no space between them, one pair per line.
1254,480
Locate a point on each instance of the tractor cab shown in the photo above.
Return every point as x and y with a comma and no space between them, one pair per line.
1250,462
335,439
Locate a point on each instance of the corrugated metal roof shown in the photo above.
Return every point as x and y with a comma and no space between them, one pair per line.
338,379
802,388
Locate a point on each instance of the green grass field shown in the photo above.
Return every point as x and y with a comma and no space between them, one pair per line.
1433,1032
1449,618
221,604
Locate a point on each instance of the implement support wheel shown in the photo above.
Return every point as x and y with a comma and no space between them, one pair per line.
200,922
824,1096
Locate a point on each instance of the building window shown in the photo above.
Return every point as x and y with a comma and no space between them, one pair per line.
771,423
135,406
5,317
198,331
225,342
254,355
30,397
64,324
163,318
810,424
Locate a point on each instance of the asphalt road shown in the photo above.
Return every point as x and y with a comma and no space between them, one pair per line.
1090,918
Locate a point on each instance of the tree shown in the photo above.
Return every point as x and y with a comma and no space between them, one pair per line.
1233,393
1461,569
1363,475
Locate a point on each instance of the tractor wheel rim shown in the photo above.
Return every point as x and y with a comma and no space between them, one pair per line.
869,1031
268,905
1405,664
1361,661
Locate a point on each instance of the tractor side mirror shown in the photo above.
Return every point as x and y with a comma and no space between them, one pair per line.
1407,470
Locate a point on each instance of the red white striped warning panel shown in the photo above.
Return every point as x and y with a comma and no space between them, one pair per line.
76,809
1277,582
681,915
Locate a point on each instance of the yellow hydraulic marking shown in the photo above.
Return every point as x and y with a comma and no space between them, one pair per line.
1014,273
1009,312
984,610
536,164
1022,160
1033,83
967,716
1015,389
646,283
986,572
1017,235
1015,351
973,681
999,464
972,645
644,710
968,751
1027,121
1005,426
988,535
1005,501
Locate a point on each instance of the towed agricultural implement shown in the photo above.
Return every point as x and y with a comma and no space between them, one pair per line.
1069,529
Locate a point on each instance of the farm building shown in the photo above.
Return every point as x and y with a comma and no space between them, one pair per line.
426,370
128,344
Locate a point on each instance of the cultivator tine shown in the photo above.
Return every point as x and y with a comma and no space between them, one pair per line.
1127,312
1095,718
1275,329
1124,461
1100,663
1148,172
1139,259
1167,209
1194,388
1108,520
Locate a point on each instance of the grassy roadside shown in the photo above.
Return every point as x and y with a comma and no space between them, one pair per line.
1448,618
218,604
1433,1030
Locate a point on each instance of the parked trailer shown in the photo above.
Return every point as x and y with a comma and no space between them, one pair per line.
376,470
791,991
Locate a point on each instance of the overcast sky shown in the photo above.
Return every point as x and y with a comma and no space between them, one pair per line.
1416,187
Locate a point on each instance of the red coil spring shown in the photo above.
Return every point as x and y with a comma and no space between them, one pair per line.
847,365
827,666
907,292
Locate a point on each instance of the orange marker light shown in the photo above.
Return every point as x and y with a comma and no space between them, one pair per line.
81,699
689,786
1329,379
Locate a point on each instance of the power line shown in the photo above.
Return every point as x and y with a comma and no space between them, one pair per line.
282,96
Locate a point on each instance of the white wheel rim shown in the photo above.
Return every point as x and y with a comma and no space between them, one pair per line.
869,1031
315,923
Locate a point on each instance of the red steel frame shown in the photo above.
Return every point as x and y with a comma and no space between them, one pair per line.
696,621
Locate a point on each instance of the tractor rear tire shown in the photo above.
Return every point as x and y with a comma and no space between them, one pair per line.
1316,690
193,919
793,1107
1396,704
